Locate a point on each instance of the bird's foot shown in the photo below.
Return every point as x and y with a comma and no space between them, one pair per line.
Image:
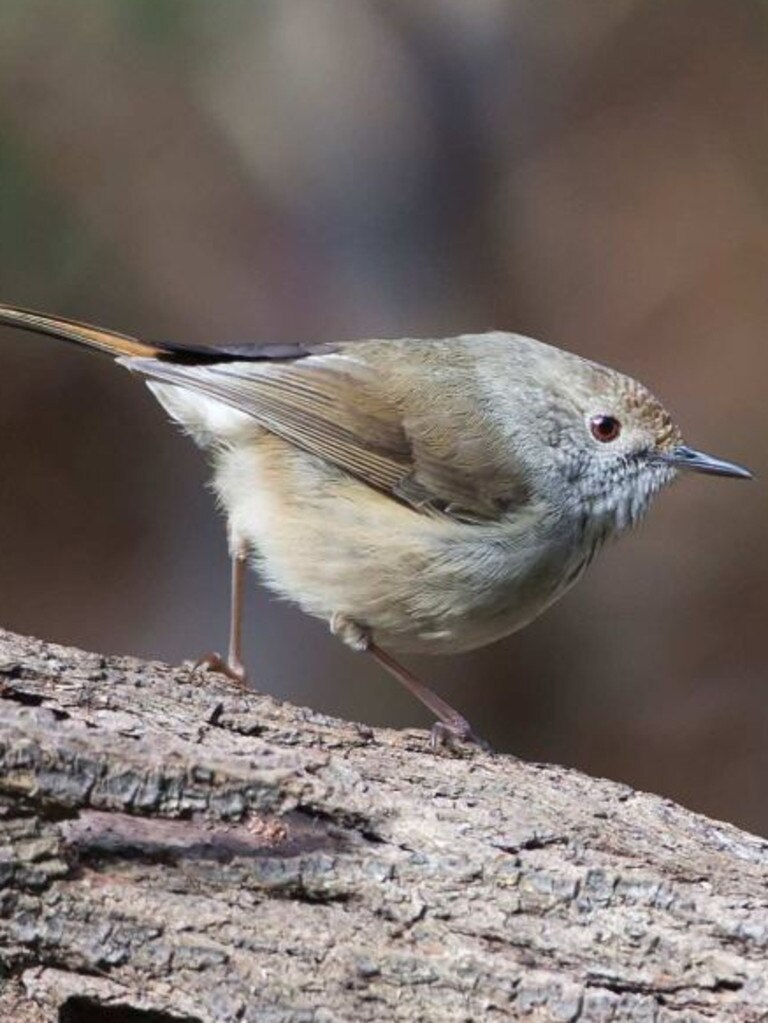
449,734
232,669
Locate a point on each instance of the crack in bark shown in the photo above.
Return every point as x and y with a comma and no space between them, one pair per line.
88,1010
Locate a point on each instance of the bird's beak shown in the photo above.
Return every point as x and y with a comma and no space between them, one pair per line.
683,457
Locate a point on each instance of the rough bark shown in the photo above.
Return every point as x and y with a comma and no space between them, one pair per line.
173,850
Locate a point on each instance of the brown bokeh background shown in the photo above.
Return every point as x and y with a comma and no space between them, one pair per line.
591,173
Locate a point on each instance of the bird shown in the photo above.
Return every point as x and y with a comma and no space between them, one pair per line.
427,495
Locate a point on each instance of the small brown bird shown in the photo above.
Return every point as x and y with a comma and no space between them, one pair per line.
428,495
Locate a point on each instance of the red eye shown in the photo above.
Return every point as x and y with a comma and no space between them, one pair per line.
605,428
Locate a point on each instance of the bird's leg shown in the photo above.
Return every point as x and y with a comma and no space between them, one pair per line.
237,587
450,727
232,666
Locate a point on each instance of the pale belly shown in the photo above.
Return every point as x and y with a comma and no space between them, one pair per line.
416,583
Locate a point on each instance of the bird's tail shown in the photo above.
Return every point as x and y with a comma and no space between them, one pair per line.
102,340
124,346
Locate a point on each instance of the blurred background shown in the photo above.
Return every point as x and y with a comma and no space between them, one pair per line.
593,174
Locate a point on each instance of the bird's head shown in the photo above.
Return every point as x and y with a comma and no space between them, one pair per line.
614,443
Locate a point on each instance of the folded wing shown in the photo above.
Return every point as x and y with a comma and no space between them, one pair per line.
347,410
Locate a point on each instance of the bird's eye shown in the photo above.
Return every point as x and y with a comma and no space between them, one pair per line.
605,428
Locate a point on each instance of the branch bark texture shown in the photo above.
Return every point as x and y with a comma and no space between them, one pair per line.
172,851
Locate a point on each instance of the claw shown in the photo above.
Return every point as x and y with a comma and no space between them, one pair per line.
213,661
448,736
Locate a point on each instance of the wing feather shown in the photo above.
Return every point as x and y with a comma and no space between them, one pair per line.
338,408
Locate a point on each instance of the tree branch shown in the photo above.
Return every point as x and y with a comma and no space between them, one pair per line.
172,850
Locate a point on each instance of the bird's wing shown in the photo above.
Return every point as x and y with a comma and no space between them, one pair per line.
376,425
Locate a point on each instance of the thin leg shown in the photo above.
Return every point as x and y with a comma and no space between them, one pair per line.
233,666
450,726
235,655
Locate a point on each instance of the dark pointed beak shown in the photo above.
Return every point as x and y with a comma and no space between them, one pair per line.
683,457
